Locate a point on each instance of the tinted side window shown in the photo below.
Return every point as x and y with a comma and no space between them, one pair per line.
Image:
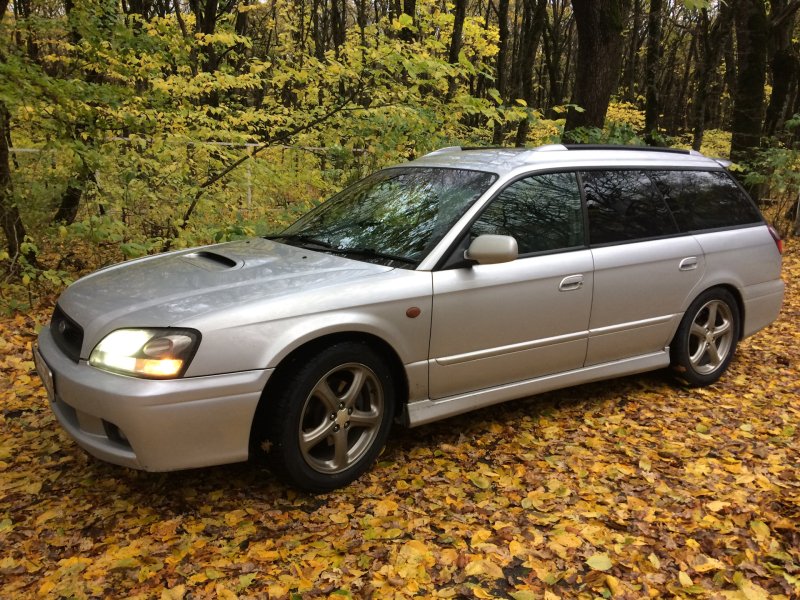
705,200
624,205
542,212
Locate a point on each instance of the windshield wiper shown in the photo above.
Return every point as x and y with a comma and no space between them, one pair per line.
372,253
305,240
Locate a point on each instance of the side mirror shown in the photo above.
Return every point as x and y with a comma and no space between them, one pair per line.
491,249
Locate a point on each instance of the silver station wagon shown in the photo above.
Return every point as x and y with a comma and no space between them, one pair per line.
459,280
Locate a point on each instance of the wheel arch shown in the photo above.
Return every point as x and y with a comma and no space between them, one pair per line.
309,348
737,295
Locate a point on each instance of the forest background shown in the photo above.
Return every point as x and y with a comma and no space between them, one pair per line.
131,127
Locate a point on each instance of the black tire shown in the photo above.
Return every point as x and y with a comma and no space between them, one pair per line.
706,338
329,417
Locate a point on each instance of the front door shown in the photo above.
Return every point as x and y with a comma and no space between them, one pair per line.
503,323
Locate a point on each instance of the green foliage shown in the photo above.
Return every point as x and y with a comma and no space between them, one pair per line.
777,171
613,133
119,108
136,116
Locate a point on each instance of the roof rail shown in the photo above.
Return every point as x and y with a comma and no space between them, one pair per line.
549,148
637,148
445,150
448,149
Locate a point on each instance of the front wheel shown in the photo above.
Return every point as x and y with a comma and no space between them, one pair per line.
330,418
706,338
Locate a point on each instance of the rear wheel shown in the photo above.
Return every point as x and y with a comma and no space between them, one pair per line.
706,339
330,418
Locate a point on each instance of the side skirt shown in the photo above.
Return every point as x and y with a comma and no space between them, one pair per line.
427,411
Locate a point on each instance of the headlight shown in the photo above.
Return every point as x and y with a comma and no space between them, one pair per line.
152,353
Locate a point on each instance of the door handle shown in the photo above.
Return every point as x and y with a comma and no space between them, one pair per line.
688,264
573,282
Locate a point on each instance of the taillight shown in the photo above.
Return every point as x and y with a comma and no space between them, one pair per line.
776,237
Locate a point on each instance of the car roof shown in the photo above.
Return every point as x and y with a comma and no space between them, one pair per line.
507,160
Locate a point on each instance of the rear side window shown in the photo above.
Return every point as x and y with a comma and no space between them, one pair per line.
624,206
705,199
542,212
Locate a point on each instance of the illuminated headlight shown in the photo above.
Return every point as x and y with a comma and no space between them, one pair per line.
152,353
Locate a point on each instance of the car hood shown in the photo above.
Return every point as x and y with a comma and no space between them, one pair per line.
169,289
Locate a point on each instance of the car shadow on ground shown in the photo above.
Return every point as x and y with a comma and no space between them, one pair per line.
193,491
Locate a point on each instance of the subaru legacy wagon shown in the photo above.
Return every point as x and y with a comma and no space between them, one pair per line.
456,281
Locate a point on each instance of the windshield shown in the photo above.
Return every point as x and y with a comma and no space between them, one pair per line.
394,217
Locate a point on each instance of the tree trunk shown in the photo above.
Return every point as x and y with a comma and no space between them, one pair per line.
338,24
410,9
652,108
500,68
784,63
681,122
752,30
10,219
532,28
362,20
456,42
71,198
318,31
600,25
631,60
557,37
22,10
711,38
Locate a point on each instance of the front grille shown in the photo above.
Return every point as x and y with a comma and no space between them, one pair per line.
67,334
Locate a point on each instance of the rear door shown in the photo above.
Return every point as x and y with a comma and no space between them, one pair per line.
644,269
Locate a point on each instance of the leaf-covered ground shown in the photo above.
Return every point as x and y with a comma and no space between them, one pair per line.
631,488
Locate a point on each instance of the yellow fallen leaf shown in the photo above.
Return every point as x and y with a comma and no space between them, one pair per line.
613,584
384,507
277,590
480,481
568,540
233,518
717,505
448,556
516,549
485,568
600,562
748,589
685,580
176,593
703,564
47,515
224,593
761,529
480,536
46,588
479,592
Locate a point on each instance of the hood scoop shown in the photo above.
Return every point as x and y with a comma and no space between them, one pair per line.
211,261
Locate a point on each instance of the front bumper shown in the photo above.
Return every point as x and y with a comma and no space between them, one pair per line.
154,425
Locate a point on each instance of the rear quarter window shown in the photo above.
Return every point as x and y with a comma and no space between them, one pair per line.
705,199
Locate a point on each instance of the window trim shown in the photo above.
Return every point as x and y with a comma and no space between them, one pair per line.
448,261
